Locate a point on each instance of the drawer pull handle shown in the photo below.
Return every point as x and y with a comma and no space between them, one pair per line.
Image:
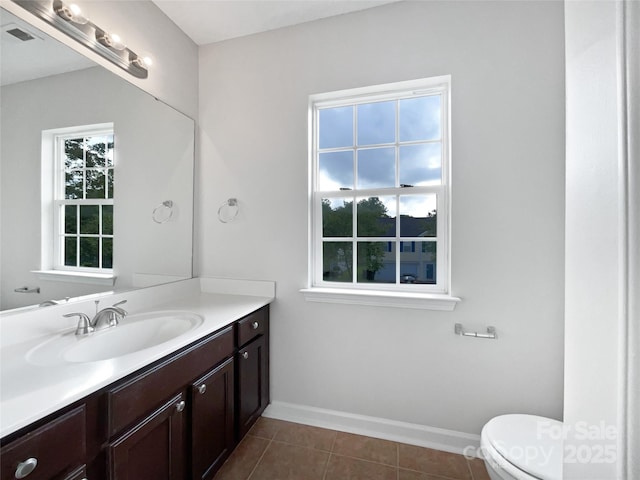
26,467
255,325
245,355
202,388
180,406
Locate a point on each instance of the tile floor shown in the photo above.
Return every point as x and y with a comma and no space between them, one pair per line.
277,450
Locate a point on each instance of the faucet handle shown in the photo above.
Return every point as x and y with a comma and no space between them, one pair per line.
122,310
84,324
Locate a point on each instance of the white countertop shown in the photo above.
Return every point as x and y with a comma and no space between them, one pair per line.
29,392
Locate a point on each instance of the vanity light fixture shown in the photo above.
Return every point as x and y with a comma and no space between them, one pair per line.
70,13
142,61
110,40
69,19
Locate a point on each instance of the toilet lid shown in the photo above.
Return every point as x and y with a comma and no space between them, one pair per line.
531,443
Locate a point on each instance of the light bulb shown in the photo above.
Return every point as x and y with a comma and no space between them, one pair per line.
111,40
71,13
116,42
140,61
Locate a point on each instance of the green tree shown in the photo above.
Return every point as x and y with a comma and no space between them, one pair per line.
338,256
371,212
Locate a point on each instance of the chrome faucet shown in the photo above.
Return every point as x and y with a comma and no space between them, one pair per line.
106,318
48,303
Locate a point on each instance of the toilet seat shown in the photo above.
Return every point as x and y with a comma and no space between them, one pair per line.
525,446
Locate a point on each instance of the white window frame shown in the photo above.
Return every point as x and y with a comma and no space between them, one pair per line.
431,296
53,201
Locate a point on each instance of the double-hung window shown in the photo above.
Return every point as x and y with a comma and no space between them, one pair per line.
83,201
380,173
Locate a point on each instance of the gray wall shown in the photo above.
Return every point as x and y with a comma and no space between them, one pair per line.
507,65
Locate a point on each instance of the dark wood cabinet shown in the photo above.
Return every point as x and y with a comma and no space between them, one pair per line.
252,388
177,418
79,473
212,420
53,450
154,448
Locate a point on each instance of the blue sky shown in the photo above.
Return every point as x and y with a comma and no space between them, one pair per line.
419,164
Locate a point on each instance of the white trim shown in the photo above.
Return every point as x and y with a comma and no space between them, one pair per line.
396,91
402,432
422,301
628,34
52,197
76,277
389,91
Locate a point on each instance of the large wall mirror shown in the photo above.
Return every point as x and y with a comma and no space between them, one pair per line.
142,227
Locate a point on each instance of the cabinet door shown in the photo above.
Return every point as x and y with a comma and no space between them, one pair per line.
253,383
49,451
154,448
212,437
78,474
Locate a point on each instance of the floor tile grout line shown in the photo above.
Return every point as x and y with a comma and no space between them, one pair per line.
363,460
326,465
471,475
259,459
331,452
335,439
434,475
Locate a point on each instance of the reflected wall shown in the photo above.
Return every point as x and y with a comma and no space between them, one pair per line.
154,163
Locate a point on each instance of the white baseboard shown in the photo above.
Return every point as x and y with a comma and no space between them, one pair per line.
402,432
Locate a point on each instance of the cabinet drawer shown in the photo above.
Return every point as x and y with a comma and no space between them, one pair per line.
55,448
251,326
140,394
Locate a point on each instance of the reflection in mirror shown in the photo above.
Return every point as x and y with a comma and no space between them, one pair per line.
77,199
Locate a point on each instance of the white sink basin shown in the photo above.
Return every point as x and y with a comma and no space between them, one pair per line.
134,334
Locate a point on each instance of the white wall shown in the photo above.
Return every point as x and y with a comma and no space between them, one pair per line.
596,320
507,65
154,162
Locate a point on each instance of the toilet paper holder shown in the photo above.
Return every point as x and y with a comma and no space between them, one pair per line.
491,332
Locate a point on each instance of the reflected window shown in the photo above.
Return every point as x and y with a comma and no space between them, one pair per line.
83,196
380,187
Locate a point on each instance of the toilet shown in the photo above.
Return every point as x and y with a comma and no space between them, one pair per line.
522,447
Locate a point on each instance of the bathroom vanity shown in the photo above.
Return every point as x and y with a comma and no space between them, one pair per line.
178,416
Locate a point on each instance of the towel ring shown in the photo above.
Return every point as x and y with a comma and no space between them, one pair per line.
163,212
230,204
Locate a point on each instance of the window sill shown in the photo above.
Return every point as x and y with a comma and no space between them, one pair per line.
424,301
107,279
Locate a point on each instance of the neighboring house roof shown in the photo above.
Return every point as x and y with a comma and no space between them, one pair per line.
410,226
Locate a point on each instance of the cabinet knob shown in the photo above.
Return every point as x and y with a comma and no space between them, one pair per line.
25,468
245,355
255,325
180,406
202,388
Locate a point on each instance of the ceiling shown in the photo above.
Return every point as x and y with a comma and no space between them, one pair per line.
209,21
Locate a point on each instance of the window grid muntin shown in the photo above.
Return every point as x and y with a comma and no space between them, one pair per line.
396,240
60,201
441,190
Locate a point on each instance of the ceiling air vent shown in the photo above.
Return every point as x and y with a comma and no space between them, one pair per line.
21,34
